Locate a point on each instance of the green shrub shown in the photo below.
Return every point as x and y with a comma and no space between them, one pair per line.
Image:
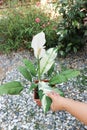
19,26
71,28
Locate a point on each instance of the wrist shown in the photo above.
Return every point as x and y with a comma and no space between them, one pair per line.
62,103
65,103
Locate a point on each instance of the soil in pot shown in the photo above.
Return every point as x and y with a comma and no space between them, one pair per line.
36,97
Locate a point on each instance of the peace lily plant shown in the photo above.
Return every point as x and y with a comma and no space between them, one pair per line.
42,70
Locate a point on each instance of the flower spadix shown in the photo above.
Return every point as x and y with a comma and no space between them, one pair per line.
38,42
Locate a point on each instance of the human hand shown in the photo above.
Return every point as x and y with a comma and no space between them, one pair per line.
57,101
76,108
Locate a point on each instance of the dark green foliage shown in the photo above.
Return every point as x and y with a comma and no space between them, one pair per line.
12,88
71,28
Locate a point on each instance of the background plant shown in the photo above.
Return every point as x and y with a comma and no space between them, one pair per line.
71,28
18,26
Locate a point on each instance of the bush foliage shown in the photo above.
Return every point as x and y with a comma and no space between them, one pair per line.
71,28
19,26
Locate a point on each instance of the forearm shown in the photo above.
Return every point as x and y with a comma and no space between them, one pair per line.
77,109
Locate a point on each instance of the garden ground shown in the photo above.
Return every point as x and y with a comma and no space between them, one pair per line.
21,112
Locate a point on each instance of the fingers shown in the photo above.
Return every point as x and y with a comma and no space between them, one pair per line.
52,107
52,95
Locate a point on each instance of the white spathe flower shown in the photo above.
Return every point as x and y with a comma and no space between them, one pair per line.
47,60
38,45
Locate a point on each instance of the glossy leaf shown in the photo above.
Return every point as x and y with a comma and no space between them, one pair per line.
51,70
25,73
46,103
33,86
59,78
64,76
12,88
70,73
60,92
40,92
30,66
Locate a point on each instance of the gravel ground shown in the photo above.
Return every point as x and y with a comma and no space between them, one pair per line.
20,112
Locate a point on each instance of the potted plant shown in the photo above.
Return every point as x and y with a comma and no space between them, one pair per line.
41,74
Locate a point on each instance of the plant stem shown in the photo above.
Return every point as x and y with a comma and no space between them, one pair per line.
38,69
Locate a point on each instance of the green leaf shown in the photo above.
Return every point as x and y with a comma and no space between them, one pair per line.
70,44
62,53
85,34
60,92
33,86
51,70
30,66
46,102
59,78
25,73
12,88
64,76
40,92
71,73
68,48
74,49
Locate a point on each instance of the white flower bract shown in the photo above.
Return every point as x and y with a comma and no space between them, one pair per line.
38,42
